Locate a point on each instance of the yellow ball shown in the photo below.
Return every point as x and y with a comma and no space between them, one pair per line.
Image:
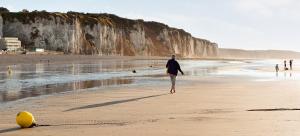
25,119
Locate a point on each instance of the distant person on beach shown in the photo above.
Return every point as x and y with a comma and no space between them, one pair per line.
277,68
285,67
291,64
173,67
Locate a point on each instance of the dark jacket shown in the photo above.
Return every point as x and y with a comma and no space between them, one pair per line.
173,67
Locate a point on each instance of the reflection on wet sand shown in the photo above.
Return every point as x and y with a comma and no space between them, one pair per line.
287,74
201,71
46,78
9,95
190,72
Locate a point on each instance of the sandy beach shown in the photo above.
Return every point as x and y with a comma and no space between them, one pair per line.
203,105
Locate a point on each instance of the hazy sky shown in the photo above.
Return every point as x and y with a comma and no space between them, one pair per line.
247,24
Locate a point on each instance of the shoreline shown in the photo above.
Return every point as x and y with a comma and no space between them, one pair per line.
25,59
58,58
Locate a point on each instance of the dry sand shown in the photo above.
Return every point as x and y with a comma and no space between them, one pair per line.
25,59
207,106
39,58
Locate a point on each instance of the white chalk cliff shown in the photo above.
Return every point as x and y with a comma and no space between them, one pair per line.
102,34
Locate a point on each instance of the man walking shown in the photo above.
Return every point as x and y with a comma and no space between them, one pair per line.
173,67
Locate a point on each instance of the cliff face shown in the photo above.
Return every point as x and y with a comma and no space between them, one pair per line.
102,34
1,23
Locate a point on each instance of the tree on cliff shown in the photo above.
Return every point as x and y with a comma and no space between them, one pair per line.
3,10
25,11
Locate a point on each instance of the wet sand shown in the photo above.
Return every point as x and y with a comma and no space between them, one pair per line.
205,105
226,106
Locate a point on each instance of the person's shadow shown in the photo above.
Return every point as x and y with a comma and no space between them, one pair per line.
112,103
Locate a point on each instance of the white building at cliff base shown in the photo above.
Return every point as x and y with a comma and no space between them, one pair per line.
10,43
